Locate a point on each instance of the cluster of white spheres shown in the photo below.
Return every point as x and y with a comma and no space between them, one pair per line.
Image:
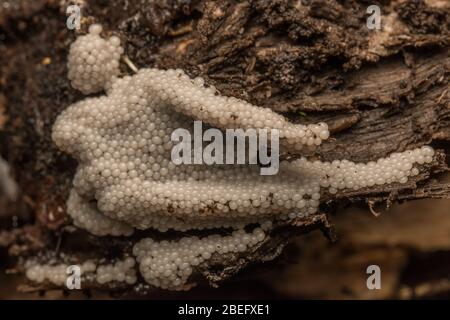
123,143
93,61
344,174
85,215
120,271
192,98
168,264
56,274
126,178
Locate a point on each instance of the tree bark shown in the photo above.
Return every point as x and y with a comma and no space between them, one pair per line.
380,91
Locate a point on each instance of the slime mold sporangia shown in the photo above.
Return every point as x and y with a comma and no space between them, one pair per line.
126,179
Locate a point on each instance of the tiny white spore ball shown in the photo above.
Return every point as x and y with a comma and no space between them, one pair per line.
93,61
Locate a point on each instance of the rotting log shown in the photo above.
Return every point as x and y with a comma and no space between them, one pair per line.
380,92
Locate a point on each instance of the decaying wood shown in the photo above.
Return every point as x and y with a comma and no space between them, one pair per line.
380,92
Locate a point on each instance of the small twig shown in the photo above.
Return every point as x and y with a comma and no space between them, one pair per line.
371,203
130,64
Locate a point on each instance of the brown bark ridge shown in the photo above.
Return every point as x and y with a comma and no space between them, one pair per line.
381,91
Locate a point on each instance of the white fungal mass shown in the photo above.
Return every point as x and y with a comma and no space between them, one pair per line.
93,61
122,141
169,264
126,178
86,215
55,273
121,271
